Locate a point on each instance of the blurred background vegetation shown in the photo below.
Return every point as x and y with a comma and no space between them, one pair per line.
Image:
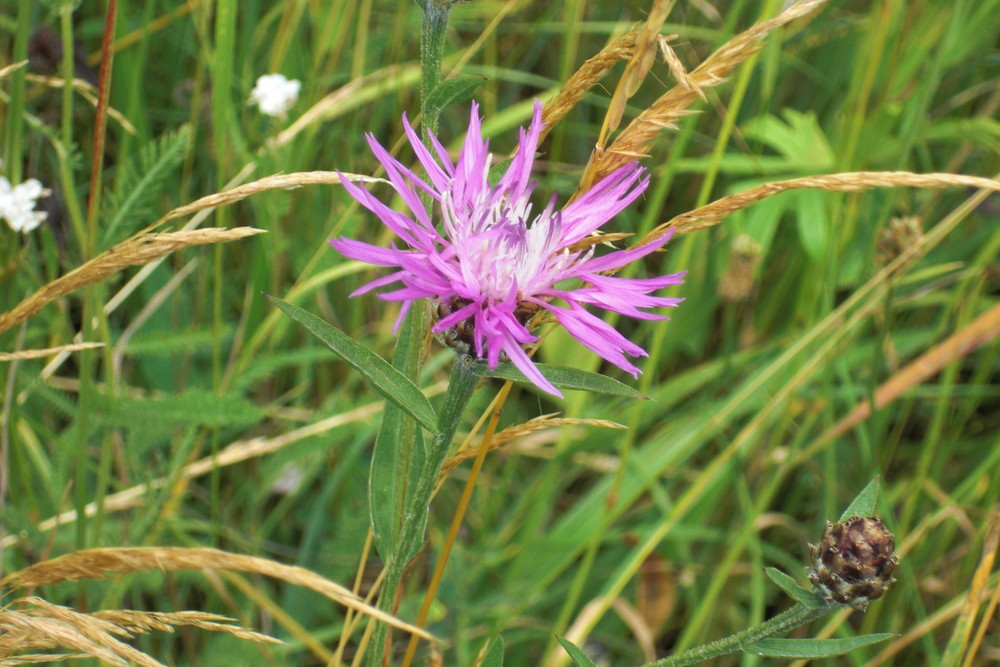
726,470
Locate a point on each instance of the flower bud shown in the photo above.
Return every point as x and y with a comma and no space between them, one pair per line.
853,562
738,282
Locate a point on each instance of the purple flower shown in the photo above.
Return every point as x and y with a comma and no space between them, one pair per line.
493,265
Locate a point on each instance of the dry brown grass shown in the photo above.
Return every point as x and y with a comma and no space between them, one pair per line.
513,433
635,140
33,624
584,78
858,181
139,249
97,563
47,351
276,182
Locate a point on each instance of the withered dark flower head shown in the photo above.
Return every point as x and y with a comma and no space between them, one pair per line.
853,562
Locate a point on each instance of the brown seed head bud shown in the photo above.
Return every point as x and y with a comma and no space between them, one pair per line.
853,563
901,234
738,282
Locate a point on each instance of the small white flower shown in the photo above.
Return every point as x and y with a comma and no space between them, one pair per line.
17,204
275,94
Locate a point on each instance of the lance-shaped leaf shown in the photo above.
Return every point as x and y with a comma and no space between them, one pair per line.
386,380
579,658
864,503
803,596
813,648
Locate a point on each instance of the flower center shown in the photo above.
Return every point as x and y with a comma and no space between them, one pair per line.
462,336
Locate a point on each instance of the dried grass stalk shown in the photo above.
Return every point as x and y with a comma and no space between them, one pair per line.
277,182
589,73
637,69
87,91
96,563
512,433
336,102
858,181
143,622
139,249
10,69
634,141
45,626
676,67
47,351
37,658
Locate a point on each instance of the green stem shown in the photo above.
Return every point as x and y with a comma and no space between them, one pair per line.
463,382
460,388
15,113
431,53
780,624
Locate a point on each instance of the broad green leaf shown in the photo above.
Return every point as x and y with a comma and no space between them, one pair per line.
494,655
798,137
813,648
803,596
455,90
386,380
579,658
564,378
864,503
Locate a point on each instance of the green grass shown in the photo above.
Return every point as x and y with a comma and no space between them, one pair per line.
719,477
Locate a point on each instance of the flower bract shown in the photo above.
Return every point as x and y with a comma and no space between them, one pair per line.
492,264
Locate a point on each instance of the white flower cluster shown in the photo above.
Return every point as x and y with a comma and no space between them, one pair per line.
275,94
17,204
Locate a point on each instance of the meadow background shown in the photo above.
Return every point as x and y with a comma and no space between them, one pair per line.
251,437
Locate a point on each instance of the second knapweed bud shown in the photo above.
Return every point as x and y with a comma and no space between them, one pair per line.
853,562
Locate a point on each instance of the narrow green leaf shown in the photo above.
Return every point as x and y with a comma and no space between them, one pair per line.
813,648
494,655
386,380
803,596
864,503
399,457
579,658
564,378
455,90
396,465
813,223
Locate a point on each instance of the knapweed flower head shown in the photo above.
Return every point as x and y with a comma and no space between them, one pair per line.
494,264
275,94
17,204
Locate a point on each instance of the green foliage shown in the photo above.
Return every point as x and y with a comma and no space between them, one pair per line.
802,595
385,379
578,657
453,91
864,503
135,199
814,648
494,654
191,407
